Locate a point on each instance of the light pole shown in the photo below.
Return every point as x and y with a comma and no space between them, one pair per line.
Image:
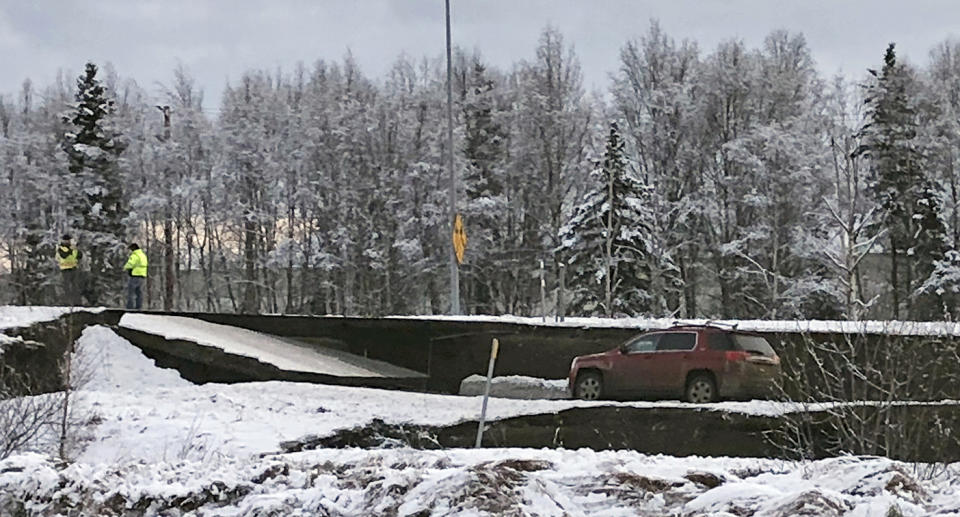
454,272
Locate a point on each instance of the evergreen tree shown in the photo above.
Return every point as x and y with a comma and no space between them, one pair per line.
930,251
486,203
607,243
940,134
484,136
96,204
915,232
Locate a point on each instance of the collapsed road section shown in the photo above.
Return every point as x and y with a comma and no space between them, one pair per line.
357,417
208,352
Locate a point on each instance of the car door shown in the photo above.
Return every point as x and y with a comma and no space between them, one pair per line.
666,370
629,371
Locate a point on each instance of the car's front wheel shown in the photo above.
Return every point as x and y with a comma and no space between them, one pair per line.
589,386
701,389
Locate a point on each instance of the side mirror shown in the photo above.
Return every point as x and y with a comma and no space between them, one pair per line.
622,349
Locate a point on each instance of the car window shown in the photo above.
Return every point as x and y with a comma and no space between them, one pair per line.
674,341
639,344
753,344
720,341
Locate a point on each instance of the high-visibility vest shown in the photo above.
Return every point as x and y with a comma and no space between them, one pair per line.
68,257
137,263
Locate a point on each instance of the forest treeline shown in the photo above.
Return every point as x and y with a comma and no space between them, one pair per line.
729,182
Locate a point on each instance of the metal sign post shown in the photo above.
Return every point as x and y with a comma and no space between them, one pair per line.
454,271
486,391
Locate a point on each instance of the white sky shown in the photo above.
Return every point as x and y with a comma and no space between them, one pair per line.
219,39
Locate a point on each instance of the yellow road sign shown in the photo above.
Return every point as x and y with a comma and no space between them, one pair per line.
459,238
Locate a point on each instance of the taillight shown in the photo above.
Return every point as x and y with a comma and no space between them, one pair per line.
763,359
736,355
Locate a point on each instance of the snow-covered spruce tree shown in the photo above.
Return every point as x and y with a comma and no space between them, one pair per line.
487,206
916,236
940,133
96,194
607,242
933,269
944,284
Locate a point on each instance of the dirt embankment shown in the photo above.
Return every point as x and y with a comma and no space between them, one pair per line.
31,364
670,431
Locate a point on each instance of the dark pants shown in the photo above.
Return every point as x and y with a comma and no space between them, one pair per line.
71,287
135,292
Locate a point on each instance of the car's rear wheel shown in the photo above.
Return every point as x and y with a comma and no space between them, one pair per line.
589,386
701,389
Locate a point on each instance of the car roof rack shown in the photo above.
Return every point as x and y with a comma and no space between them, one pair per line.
731,326
707,324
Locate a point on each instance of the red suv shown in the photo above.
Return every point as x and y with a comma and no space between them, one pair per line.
699,363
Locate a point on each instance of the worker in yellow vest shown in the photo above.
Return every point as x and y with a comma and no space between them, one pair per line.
68,257
136,267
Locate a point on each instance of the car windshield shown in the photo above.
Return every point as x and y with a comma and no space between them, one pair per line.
753,344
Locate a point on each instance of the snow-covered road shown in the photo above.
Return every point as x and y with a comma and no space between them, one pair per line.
24,316
281,353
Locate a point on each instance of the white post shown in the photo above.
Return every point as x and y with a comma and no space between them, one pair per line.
486,391
543,295
561,302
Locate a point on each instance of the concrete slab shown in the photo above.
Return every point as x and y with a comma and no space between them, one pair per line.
284,354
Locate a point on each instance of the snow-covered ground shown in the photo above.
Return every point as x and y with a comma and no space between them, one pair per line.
355,482
900,328
158,444
516,387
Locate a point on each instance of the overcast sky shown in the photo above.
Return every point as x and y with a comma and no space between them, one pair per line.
218,40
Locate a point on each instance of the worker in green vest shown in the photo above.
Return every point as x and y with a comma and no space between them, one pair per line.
136,266
68,258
